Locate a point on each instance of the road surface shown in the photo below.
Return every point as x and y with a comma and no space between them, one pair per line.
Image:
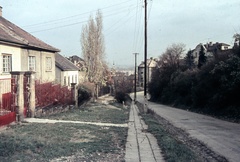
221,136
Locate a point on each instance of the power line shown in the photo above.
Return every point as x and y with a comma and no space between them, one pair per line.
64,18
80,22
137,26
150,9
121,25
59,27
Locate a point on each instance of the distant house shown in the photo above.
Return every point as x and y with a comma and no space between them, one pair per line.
66,71
20,51
210,49
80,63
151,65
77,61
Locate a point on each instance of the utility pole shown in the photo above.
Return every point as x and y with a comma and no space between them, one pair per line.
145,50
135,79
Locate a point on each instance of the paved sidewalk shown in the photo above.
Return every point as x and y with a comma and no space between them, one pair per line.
141,146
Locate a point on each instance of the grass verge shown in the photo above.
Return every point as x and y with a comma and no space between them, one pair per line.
67,142
95,112
173,150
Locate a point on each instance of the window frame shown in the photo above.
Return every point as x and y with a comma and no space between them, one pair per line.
6,66
32,63
48,63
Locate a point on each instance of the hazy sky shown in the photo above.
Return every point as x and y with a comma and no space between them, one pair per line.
59,23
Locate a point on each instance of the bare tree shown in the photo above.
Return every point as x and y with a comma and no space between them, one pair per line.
93,49
236,47
171,57
236,38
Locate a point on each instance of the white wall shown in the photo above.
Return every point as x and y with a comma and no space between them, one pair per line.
71,77
16,59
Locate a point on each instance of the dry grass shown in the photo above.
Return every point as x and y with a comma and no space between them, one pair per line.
96,112
67,142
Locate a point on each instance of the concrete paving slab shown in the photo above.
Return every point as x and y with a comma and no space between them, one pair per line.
141,145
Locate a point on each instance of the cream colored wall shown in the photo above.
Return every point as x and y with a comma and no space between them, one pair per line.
16,59
59,77
47,75
41,73
20,62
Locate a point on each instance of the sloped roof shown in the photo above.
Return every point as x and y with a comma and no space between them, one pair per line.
64,64
78,61
151,63
10,33
214,46
75,57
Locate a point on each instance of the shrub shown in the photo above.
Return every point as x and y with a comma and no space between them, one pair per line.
122,97
84,94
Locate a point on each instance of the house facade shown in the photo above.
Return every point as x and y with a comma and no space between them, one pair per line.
151,65
66,71
20,51
80,63
210,49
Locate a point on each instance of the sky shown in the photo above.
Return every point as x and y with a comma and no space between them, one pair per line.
59,23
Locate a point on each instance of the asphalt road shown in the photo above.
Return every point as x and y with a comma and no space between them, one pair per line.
221,136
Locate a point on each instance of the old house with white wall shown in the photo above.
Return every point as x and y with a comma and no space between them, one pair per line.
210,49
21,51
66,71
80,63
151,65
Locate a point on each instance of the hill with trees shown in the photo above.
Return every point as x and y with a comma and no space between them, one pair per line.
211,87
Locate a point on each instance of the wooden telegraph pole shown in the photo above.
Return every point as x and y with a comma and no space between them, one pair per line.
145,51
135,79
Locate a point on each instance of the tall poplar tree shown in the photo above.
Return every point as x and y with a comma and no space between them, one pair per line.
93,49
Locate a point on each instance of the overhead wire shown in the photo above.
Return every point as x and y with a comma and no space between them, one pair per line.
77,15
138,27
123,17
135,26
127,20
140,41
140,37
111,13
150,9
75,23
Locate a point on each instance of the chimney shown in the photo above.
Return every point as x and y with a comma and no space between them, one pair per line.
1,11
